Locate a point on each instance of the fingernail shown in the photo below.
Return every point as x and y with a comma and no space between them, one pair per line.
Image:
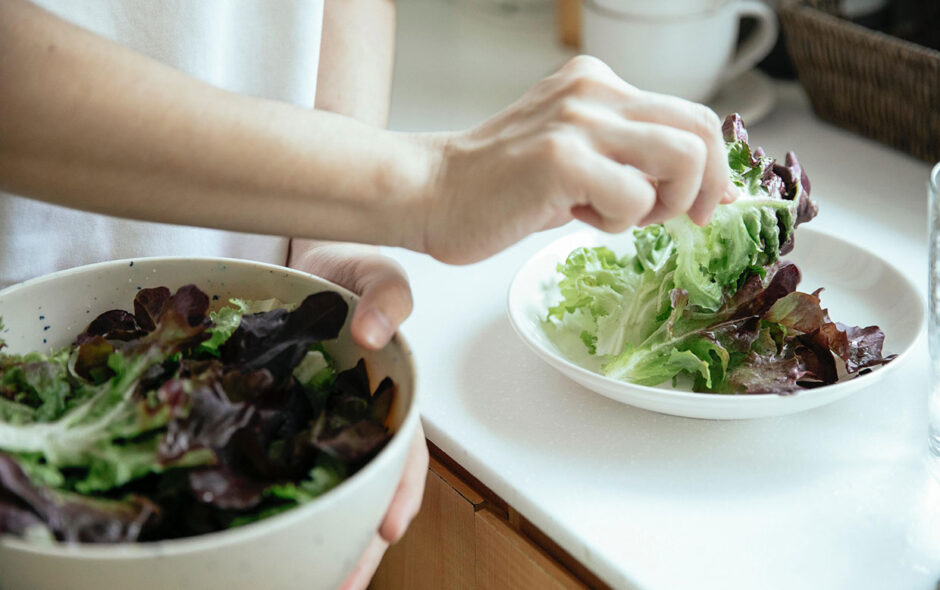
377,329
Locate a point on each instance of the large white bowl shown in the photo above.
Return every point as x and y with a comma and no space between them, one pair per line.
310,547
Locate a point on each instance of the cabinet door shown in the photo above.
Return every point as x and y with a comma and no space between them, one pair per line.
506,559
438,549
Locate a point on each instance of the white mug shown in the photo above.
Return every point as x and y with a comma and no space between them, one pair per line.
687,55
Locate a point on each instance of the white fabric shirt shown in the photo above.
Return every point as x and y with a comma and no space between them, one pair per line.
264,48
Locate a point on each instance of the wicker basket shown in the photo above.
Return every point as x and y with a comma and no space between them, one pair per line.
881,86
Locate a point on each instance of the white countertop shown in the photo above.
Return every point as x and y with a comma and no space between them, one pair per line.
836,497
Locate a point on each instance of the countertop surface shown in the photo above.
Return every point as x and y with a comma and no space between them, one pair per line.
836,497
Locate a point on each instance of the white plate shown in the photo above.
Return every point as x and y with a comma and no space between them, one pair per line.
860,289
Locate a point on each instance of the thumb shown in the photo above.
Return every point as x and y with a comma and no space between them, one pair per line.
385,301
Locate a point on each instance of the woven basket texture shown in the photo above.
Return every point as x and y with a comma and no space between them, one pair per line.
877,84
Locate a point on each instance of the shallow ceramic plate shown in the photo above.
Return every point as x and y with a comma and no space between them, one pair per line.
860,289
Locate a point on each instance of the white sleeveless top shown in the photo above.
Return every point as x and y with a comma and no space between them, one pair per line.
264,48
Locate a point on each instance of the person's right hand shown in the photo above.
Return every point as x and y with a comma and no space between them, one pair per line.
581,144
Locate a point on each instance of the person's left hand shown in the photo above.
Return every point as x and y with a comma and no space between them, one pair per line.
385,302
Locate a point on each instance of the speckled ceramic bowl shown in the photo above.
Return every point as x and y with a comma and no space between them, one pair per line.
310,547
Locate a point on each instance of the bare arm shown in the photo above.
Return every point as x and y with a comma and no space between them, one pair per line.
355,74
88,124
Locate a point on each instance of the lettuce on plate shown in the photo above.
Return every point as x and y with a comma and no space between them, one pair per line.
715,304
171,421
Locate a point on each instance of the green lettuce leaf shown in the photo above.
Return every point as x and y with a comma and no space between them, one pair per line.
37,381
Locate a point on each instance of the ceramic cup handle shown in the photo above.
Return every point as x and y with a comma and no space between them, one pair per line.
758,43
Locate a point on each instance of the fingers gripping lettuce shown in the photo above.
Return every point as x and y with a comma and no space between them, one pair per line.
714,303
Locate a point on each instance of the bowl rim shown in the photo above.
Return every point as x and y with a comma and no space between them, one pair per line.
268,525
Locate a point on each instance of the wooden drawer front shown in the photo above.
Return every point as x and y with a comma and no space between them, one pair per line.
438,549
506,559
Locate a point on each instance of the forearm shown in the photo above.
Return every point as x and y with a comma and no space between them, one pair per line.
90,125
355,73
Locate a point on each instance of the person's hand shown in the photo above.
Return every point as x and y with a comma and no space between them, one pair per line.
385,302
404,507
581,144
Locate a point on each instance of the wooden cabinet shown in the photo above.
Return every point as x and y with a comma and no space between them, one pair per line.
467,538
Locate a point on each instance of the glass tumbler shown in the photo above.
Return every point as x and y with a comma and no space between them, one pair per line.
933,326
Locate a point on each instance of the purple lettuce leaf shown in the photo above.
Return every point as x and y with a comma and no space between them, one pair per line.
797,311
16,520
223,488
149,305
277,340
73,517
863,347
768,373
210,420
178,317
733,129
802,348
857,347
353,443
115,324
756,296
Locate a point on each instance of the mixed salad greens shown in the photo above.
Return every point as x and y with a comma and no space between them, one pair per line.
173,421
716,303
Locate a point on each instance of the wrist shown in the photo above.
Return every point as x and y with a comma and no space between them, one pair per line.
418,164
367,185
